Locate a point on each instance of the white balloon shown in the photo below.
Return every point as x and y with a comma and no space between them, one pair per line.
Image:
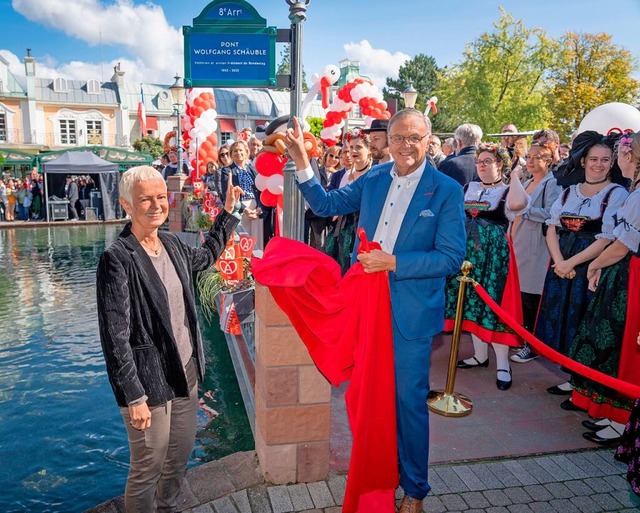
275,184
261,182
613,116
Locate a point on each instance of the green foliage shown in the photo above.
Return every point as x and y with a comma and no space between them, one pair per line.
591,70
500,80
151,145
1,158
423,72
284,68
315,125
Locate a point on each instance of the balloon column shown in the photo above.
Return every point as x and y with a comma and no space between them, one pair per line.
360,92
199,130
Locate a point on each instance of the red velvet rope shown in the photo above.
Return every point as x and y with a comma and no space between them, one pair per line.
627,389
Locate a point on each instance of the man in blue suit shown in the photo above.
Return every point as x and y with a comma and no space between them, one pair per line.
416,213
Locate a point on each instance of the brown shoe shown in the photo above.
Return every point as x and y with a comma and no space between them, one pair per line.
410,505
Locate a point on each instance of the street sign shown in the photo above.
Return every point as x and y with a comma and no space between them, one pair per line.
229,45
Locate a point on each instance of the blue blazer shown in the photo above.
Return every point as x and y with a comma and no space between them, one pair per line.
430,245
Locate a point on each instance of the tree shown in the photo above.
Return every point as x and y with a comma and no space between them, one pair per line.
315,125
151,145
591,71
284,68
422,71
500,80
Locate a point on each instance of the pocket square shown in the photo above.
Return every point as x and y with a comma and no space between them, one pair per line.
426,213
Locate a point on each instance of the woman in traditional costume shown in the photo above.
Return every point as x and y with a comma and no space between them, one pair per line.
580,227
599,343
490,206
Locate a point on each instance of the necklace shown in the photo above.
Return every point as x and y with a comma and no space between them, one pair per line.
363,169
156,251
492,183
596,183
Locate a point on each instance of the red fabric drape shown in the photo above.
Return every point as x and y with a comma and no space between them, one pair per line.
346,326
629,369
628,389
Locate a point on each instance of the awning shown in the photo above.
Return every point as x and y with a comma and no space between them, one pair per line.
227,125
152,123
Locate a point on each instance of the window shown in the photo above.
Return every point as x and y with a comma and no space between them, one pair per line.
60,85
94,132
224,137
3,127
93,86
68,131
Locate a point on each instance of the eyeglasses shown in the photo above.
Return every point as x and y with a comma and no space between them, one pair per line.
485,162
414,139
223,154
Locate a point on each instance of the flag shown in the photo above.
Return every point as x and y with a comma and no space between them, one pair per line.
142,114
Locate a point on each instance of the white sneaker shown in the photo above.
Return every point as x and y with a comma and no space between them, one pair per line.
524,355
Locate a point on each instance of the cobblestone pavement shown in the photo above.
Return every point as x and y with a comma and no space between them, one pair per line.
589,481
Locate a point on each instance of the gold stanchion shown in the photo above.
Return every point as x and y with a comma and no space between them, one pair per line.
448,402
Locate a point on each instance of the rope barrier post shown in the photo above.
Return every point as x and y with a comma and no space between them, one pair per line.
447,402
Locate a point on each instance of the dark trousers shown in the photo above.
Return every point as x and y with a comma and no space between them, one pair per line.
530,305
412,359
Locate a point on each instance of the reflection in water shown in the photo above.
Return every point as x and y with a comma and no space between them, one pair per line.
62,443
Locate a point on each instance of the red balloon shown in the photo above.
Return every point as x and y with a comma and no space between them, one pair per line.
197,112
269,164
268,199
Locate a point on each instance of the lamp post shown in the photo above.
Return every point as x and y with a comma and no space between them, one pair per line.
410,95
293,219
178,96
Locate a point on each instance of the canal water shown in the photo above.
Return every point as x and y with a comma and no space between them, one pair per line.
63,446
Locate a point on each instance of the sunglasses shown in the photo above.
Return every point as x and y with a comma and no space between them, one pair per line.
223,154
333,155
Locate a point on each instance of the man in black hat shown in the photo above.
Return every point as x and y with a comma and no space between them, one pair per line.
379,145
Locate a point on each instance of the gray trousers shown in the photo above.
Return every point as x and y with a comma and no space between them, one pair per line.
159,455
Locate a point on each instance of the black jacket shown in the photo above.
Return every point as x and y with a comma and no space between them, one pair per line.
462,167
140,351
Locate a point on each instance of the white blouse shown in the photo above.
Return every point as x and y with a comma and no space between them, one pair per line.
627,230
579,205
491,196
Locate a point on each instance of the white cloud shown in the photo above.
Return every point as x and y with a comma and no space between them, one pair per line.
376,63
142,30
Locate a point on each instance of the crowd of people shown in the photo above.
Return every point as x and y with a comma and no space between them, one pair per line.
22,199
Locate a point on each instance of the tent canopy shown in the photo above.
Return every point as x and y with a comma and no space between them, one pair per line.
79,162
85,163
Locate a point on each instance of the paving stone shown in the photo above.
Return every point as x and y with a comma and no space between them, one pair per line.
224,505
209,482
520,473
203,508
603,461
259,499
623,498
586,505
475,500
555,470
497,498
334,509
465,473
454,483
473,510
519,508
586,465
538,493
564,506
242,469
487,477
241,500
454,502
532,466
618,482
517,495
337,484
579,487
503,474
280,499
564,462
433,504
542,507
320,494
598,485
498,509
438,486
300,497
559,490
606,501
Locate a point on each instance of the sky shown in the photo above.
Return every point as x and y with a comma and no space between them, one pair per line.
83,39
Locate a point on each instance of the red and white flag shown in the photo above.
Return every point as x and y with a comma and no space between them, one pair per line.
142,114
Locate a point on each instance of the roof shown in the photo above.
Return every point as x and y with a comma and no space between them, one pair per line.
263,104
76,93
115,155
74,162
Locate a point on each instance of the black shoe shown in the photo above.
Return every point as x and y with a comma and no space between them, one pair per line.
590,424
569,406
504,385
464,365
556,390
593,437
